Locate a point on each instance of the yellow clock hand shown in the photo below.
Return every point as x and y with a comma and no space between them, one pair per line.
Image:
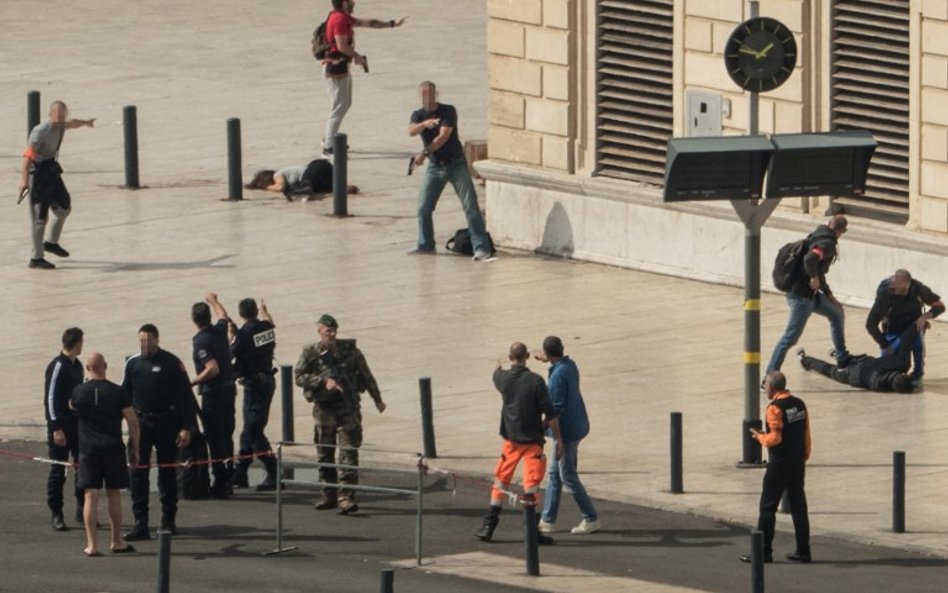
746,50
763,53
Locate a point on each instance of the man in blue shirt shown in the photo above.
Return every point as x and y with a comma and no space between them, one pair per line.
574,426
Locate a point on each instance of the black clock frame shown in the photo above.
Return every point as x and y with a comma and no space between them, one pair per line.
760,54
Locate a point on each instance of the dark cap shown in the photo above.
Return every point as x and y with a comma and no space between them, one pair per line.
328,320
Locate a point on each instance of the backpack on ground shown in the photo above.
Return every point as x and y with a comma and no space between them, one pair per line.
788,267
461,244
319,43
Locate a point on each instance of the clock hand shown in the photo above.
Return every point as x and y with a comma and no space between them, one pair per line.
763,53
747,50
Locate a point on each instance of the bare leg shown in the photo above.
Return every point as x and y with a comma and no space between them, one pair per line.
90,517
115,518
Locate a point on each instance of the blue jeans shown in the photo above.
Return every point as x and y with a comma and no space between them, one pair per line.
918,352
800,310
436,177
564,473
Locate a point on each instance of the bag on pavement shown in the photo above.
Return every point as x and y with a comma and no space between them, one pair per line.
461,244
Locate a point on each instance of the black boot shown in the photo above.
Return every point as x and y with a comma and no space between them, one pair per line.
138,533
239,480
270,482
491,519
168,524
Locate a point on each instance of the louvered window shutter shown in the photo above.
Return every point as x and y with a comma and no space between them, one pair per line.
870,90
634,90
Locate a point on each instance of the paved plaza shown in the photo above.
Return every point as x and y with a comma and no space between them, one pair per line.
646,345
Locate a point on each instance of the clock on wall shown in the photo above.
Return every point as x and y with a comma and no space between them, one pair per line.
760,54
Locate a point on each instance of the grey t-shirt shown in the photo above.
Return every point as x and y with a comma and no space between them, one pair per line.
45,141
292,175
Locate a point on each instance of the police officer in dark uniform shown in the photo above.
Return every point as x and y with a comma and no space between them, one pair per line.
63,374
157,385
253,345
788,444
215,380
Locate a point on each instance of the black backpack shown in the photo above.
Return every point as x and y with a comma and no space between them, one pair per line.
319,43
788,267
461,244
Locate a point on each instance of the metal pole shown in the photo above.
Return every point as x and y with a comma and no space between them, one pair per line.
32,111
898,491
530,538
418,516
279,497
388,581
757,562
677,486
164,561
234,179
427,418
130,124
286,388
340,148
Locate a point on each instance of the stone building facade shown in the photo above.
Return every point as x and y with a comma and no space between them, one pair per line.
584,95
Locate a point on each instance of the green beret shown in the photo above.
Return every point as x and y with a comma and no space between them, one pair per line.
328,320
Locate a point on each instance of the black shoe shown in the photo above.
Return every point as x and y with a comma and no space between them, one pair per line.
167,524
139,533
269,484
487,529
801,558
58,523
544,540
222,490
768,558
801,354
55,249
42,264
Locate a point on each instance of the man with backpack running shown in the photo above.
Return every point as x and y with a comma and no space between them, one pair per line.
809,293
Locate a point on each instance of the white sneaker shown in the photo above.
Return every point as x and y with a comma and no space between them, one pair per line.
586,527
545,527
482,255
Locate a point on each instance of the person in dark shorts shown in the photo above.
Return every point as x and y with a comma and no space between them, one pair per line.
298,181
100,406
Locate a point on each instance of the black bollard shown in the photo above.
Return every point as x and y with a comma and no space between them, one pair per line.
340,149
898,491
286,390
427,418
530,539
164,561
234,179
757,562
388,581
130,124
677,486
32,111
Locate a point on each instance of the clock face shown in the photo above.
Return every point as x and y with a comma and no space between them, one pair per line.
760,54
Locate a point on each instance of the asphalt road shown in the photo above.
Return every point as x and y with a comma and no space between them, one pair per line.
222,545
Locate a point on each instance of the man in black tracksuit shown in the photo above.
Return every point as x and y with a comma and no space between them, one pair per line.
63,374
253,347
215,380
788,443
899,304
157,385
886,373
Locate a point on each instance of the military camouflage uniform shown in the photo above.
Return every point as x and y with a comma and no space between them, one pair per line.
337,414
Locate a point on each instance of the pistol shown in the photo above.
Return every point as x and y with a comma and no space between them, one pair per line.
365,64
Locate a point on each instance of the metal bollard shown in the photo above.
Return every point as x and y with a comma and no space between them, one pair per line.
234,179
898,491
427,418
677,486
286,389
530,539
164,561
340,181
32,111
757,562
130,124
388,581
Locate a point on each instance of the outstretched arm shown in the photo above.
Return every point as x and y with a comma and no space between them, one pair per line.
379,24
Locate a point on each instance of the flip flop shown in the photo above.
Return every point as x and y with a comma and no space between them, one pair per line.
92,555
128,549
